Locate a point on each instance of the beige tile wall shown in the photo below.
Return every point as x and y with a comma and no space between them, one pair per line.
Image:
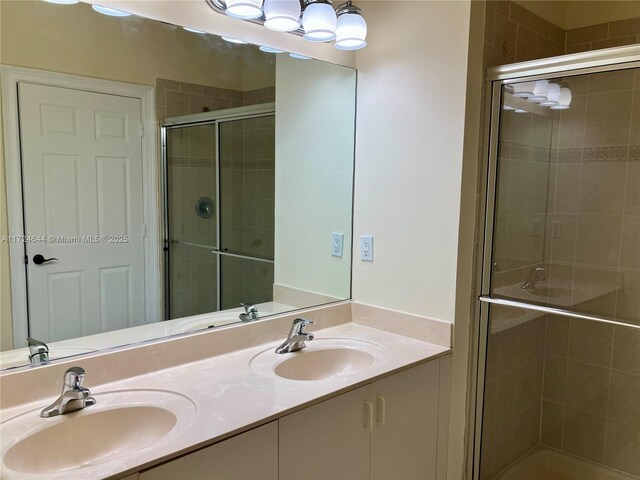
591,392
522,190
513,390
604,35
593,231
514,34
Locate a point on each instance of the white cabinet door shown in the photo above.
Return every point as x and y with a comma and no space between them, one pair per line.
404,439
83,200
329,441
249,456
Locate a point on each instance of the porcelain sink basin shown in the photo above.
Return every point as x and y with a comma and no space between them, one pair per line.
121,423
324,359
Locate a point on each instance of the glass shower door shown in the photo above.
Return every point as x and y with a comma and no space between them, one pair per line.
561,389
247,192
192,219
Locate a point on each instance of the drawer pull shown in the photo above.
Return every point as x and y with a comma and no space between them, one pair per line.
381,410
367,416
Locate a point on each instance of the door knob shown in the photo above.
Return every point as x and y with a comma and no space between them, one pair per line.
39,259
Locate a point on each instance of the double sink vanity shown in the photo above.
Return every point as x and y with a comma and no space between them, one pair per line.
223,404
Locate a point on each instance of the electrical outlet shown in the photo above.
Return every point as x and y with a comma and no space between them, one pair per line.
337,242
366,248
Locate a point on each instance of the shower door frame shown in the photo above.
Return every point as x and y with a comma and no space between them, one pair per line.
598,61
215,118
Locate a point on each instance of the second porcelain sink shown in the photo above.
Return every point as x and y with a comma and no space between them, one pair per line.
324,359
120,424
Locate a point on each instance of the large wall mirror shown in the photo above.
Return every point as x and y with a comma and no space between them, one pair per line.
162,181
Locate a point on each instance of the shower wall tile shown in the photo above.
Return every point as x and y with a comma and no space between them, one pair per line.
598,240
600,419
555,378
587,387
602,188
608,118
628,299
552,424
591,342
630,248
514,34
625,398
622,444
557,335
587,34
513,393
527,428
626,350
604,35
584,434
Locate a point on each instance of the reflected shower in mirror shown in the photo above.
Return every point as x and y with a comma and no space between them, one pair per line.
160,181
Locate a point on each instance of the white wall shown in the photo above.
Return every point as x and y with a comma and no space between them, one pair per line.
411,107
315,112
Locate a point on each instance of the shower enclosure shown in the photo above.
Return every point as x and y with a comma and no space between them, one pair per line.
219,209
558,377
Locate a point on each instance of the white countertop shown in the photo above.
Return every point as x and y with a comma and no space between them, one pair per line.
229,397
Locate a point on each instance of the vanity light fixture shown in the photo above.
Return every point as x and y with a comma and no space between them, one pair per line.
112,12
194,30
282,15
564,101
319,21
62,2
556,97
540,92
299,57
234,40
523,90
553,95
244,9
351,28
269,49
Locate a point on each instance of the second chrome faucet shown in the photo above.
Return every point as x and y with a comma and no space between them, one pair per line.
73,397
297,337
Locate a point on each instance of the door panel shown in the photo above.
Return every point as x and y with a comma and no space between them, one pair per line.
332,434
83,205
404,440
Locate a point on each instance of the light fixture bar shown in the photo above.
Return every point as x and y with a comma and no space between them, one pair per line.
320,21
220,7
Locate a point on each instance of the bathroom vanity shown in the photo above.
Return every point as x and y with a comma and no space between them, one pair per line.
223,404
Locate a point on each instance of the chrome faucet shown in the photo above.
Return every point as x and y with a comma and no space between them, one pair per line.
535,275
38,351
74,396
296,339
250,312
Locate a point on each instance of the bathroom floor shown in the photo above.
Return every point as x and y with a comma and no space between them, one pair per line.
544,464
